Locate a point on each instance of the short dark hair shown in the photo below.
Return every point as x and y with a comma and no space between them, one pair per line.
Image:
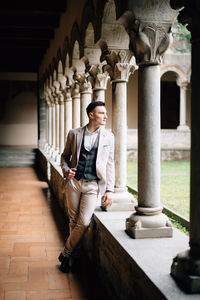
92,106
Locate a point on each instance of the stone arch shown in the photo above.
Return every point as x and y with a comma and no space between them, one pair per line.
112,31
88,16
92,51
65,53
181,75
76,49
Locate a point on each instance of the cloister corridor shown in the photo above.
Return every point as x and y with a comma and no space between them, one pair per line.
32,230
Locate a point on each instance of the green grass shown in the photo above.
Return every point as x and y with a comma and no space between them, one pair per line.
174,190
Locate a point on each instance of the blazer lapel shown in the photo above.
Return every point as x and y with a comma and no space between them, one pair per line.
101,142
79,137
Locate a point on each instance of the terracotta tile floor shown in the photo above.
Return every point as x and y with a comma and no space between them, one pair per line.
32,230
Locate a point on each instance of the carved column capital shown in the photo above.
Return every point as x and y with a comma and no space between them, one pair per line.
84,83
182,84
149,41
120,64
75,88
99,76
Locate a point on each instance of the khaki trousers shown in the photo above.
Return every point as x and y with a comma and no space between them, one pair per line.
81,197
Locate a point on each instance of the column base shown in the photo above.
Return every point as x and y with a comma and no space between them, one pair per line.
183,128
148,226
185,270
122,201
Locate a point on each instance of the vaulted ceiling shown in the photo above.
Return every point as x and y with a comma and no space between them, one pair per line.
26,28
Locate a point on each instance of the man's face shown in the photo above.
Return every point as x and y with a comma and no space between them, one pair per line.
99,115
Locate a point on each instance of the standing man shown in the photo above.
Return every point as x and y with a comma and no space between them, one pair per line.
87,163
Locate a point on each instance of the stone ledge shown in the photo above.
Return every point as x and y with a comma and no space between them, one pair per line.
152,256
129,268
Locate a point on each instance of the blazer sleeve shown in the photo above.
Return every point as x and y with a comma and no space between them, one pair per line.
110,167
66,155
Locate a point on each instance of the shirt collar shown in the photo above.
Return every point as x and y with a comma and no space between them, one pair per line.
90,133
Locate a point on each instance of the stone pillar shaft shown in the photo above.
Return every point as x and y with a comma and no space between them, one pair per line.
76,111
149,137
57,125
185,268
182,105
68,116
53,126
49,124
85,101
61,138
119,126
195,153
99,95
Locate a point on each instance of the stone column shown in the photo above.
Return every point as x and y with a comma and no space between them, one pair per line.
75,105
186,265
51,118
53,108
119,73
62,100
62,119
148,41
86,97
100,81
183,106
57,94
57,123
47,104
68,111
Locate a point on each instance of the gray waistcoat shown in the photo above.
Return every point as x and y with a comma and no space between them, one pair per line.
87,162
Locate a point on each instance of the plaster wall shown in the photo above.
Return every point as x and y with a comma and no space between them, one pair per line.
18,110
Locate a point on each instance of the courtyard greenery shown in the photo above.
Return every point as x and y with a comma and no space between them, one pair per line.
174,190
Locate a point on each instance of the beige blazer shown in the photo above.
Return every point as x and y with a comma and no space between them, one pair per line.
104,161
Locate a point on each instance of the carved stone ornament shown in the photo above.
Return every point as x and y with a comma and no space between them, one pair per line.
75,89
120,64
149,41
99,76
84,82
50,91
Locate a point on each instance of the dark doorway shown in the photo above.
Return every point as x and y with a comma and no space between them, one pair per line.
170,107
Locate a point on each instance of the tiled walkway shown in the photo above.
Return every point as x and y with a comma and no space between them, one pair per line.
30,242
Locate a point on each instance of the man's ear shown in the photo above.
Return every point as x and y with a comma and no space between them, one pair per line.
91,115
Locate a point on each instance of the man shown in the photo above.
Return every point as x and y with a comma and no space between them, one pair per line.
87,163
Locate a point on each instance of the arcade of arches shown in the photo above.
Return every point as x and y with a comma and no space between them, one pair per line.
114,52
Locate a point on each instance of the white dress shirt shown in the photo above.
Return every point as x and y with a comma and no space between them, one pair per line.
90,138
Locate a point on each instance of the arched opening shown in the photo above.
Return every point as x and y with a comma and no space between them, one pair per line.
170,101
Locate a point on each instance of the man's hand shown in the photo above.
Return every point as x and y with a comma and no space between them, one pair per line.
70,173
107,199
